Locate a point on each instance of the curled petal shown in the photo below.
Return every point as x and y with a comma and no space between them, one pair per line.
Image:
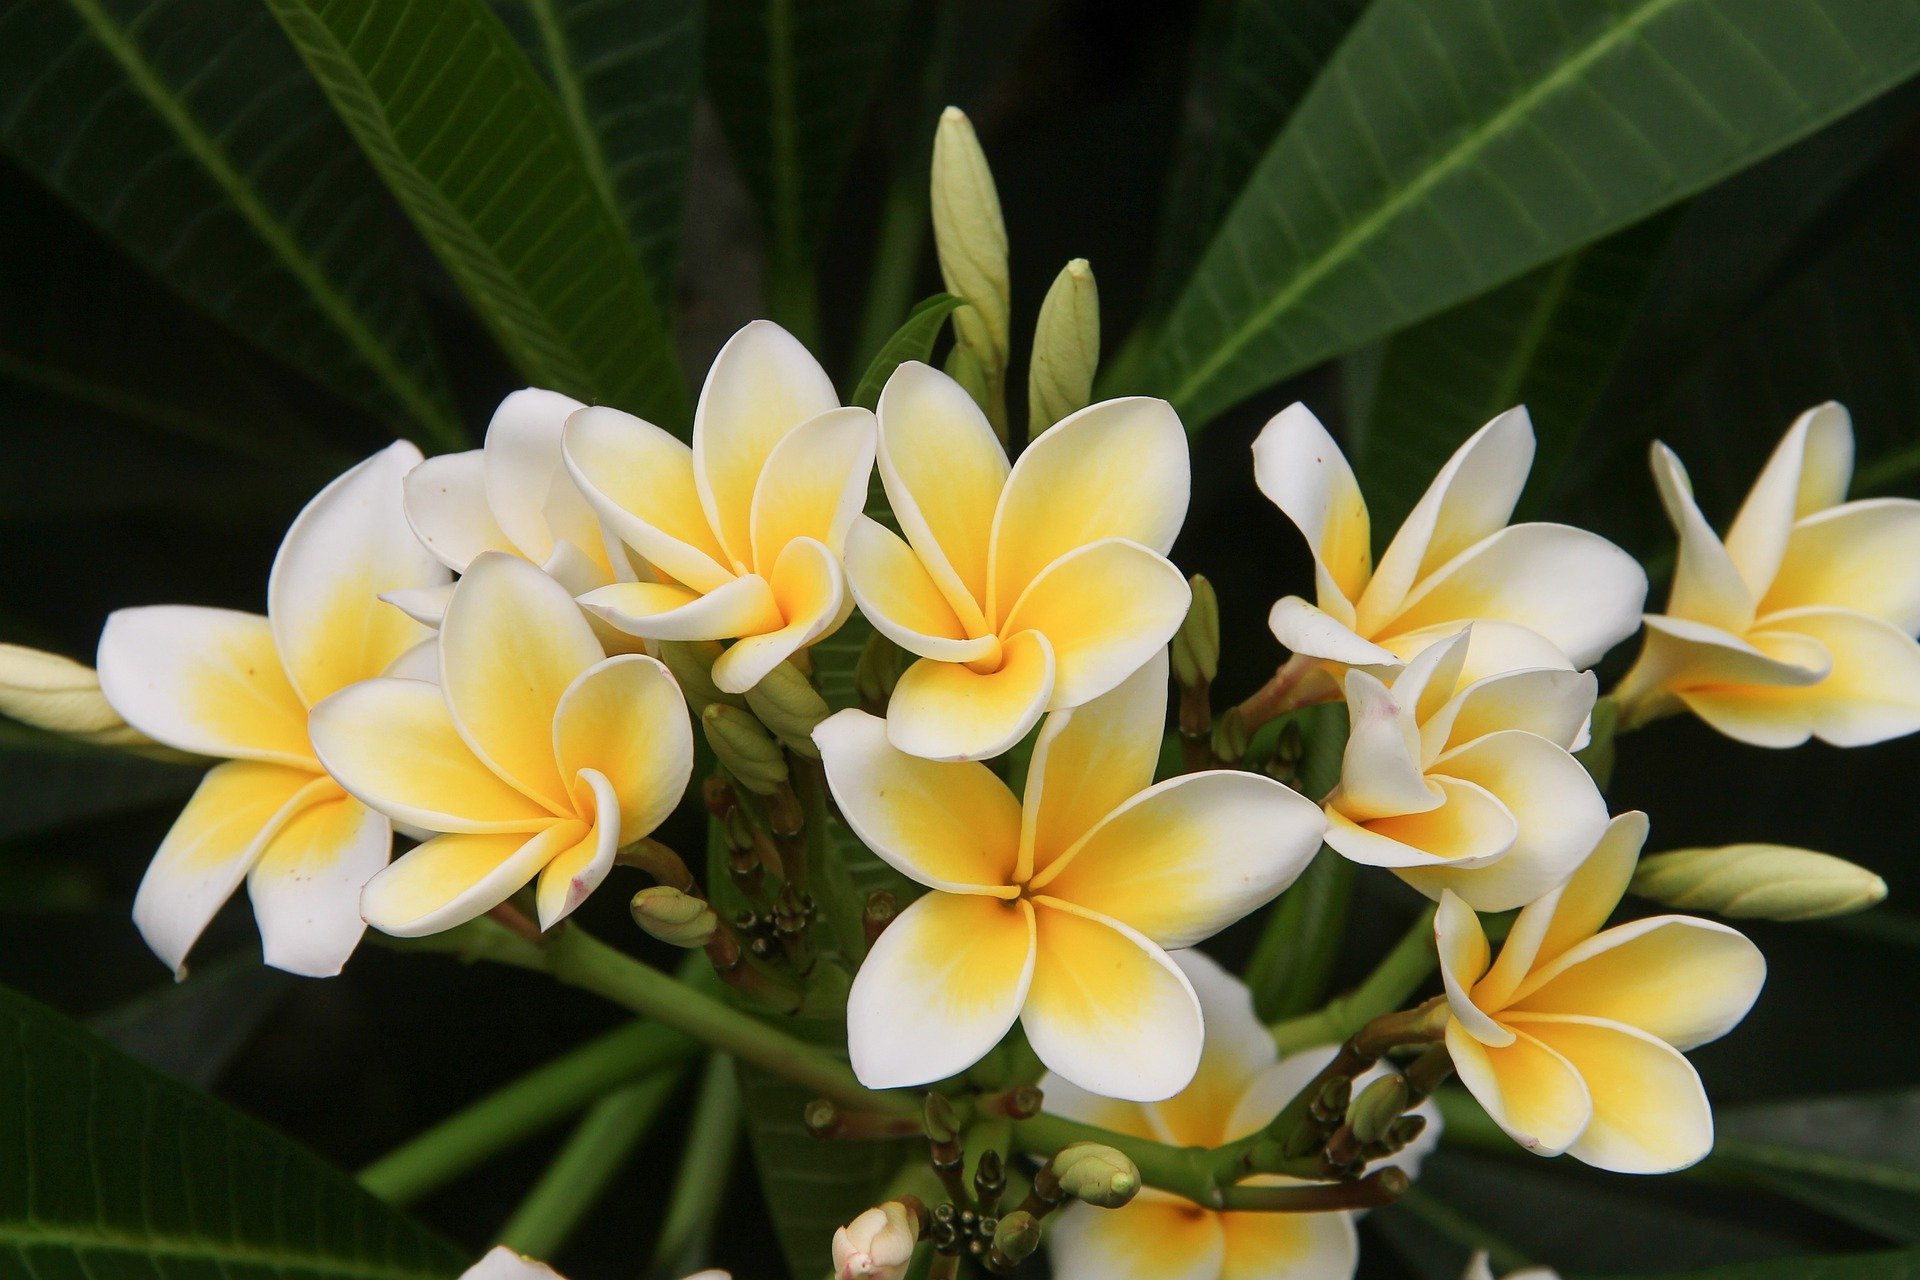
1302,471
947,711
1528,1089
1550,703
940,987
1807,473
452,879
1306,629
1707,586
625,722
952,826
1650,1113
1380,773
307,881
1871,694
814,484
1105,608
577,870
1470,828
810,590
900,598
1461,945
743,606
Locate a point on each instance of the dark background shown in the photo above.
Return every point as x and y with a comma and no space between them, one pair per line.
1077,104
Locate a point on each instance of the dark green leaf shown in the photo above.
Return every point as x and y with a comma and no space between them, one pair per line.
52,780
114,1170
1547,341
1447,149
191,1030
627,77
190,134
482,159
1899,1265
913,340
1856,1158
1253,61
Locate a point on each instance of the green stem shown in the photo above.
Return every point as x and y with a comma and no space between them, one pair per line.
579,1175
1449,1222
1392,981
686,1235
521,1109
1294,958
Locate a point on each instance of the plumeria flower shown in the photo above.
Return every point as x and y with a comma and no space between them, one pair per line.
1572,1039
1537,594
1468,787
512,495
535,754
1241,1085
1480,1267
502,1263
1022,590
1058,912
1801,623
238,686
877,1245
745,529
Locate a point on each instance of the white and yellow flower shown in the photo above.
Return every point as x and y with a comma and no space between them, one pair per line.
1241,1085
512,495
536,754
502,1263
1801,623
1480,1267
1469,787
1537,595
1021,589
744,529
1058,912
1572,1039
216,682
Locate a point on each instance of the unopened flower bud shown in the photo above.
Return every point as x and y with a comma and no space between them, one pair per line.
964,367
788,704
1096,1174
1196,645
744,748
677,919
62,696
1066,348
1764,881
971,238
691,662
876,672
877,1245
1014,1241
1378,1105
1230,736
942,1123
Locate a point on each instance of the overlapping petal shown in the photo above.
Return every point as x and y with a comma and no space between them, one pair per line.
1859,556
1528,1089
1155,1237
814,484
525,481
625,722
1381,772
1650,1114
743,606
1299,1246
1305,628
577,870
640,481
949,711
810,591
306,884
1302,471
452,879
445,500
1808,472
900,597
1707,585
1105,607
1470,828
1238,1050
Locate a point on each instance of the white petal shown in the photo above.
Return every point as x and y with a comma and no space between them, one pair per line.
900,598
663,611
425,605
1380,773
307,882
452,879
1305,629
640,481
523,466
1707,587
1302,471
1808,472
446,504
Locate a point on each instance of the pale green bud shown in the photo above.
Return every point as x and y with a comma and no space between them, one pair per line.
1196,645
1758,881
691,662
677,919
1016,1238
964,367
1373,1112
1230,737
62,696
875,674
971,238
787,703
745,749
1096,1174
1066,348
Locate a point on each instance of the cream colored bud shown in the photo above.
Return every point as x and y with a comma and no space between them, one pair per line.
745,748
1066,348
787,703
1758,881
877,1245
1096,1174
677,919
971,238
62,696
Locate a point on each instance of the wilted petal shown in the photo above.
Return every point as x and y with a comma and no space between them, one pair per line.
306,884
954,827
1086,762
1108,1009
1302,471
512,642
939,988
393,744
452,879
1650,1114
1185,858
1157,1236
1528,1089
1105,608
810,590
211,847
1114,470
204,680
814,484
625,721
639,480
446,504
947,711
762,385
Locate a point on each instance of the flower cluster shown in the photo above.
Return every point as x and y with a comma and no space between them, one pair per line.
500,656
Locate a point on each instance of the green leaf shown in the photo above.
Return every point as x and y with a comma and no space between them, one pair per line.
188,132
1902,1264
52,781
791,80
913,340
482,159
1547,341
191,1030
1253,60
627,77
1447,149
115,1170
1856,1158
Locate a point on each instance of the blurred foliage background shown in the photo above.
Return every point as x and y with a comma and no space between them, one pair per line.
212,298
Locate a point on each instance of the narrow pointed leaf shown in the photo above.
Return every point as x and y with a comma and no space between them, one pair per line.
913,340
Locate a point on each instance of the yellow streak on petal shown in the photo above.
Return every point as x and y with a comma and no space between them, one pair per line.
1300,1246
945,711
1157,1236
1650,1114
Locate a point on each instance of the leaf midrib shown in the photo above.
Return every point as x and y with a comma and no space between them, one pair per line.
433,417
23,1237
1410,193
